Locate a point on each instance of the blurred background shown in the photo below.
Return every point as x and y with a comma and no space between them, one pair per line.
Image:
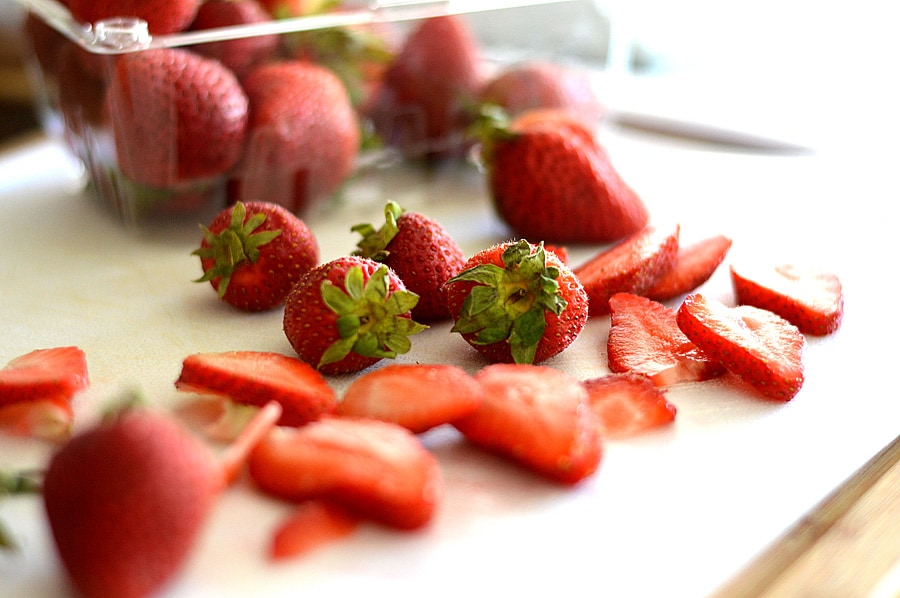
802,73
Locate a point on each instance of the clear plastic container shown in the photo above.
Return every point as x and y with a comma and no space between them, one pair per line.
149,173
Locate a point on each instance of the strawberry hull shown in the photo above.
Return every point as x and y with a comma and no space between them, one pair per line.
177,123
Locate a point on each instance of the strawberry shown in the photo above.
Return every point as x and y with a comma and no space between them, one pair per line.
644,338
694,265
757,345
810,299
241,54
286,9
252,254
257,377
632,266
628,404
46,419
161,17
126,499
515,302
420,251
376,470
549,183
416,396
429,87
311,524
303,138
533,84
538,417
55,374
177,117
349,313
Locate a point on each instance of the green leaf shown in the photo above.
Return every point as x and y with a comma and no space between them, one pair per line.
401,302
348,326
486,274
354,283
337,351
335,299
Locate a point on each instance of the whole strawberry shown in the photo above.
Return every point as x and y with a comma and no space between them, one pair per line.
349,313
420,251
429,88
161,17
514,302
304,136
242,54
549,184
253,253
177,117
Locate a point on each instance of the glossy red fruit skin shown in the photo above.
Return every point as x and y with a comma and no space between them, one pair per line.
303,136
177,117
239,55
552,186
560,332
161,17
265,284
125,502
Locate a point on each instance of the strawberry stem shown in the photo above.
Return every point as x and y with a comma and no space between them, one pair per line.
374,242
233,458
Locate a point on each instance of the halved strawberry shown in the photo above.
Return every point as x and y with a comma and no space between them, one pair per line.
632,266
55,374
257,377
45,419
756,344
812,300
694,265
415,396
374,469
627,404
311,524
536,416
644,338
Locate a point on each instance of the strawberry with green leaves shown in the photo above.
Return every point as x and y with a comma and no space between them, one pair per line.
420,251
257,377
373,469
349,313
178,118
810,299
539,418
549,183
759,346
632,266
516,302
253,253
644,338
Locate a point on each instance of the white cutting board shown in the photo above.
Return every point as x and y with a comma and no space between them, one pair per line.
674,513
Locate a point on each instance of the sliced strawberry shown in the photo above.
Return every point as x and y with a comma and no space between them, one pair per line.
536,416
811,300
632,266
374,469
311,524
255,378
694,265
644,338
628,404
44,419
55,374
758,345
415,396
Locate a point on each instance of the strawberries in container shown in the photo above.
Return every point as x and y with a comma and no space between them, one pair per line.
180,109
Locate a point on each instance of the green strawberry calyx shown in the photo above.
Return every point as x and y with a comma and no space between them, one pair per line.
510,303
237,244
373,320
374,241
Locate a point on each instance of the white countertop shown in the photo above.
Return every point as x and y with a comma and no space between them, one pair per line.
675,513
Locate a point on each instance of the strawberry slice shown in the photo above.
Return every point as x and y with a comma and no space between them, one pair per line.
632,266
812,300
416,396
644,338
257,377
756,344
536,416
43,419
55,374
311,524
628,404
376,470
694,265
